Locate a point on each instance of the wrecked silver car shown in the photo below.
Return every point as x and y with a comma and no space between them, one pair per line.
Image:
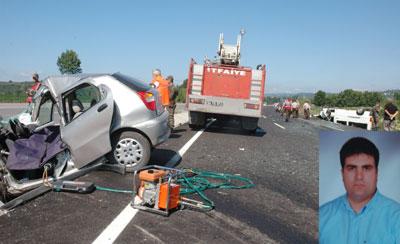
77,122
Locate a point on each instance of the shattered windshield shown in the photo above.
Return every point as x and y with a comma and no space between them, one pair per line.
25,116
29,108
36,99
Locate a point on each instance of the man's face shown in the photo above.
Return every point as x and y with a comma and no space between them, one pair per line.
360,176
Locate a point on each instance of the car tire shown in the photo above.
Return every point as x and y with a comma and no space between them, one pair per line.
130,149
360,111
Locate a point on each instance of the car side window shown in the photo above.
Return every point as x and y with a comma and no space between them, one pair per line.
79,100
88,95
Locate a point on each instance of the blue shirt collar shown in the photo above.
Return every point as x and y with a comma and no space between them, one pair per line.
370,205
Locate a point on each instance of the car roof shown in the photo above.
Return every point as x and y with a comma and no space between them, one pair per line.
58,84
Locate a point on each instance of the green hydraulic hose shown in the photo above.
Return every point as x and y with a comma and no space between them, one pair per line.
100,188
197,181
200,181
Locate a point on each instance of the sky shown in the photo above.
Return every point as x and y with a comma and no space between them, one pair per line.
330,178
328,45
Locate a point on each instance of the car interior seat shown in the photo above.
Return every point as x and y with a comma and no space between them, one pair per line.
77,107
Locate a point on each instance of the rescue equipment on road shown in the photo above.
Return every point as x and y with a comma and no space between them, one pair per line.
160,190
74,186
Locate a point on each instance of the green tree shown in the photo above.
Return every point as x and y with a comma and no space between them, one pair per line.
370,98
320,98
331,100
397,96
181,98
346,98
271,100
69,63
184,83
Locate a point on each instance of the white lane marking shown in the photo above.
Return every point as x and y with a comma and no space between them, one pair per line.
115,228
264,117
175,159
279,125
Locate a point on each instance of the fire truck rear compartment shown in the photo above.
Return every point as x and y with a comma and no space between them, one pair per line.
229,82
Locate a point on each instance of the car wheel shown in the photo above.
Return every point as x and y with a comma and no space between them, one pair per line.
130,149
360,111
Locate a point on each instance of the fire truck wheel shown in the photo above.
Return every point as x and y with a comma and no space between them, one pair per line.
131,149
194,127
196,120
249,124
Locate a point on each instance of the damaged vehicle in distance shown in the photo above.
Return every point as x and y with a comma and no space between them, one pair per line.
78,122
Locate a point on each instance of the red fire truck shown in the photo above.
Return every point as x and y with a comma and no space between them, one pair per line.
222,88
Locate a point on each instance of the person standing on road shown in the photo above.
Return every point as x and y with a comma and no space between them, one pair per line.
287,109
375,115
295,108
306,110
363,214
162,87
173,93
31,91
389,118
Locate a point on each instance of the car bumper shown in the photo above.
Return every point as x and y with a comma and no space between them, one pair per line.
156,129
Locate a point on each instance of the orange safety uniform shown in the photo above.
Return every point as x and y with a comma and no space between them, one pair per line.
163,89
31,92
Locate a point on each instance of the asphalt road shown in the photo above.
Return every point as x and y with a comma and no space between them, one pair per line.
10,109
280,158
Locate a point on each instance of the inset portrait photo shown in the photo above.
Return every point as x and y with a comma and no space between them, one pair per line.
359,187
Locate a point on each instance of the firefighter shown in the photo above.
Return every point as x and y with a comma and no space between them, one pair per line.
173,93
287,108
389,118
306,110
277,107
375,115
31,91
162,86
295,108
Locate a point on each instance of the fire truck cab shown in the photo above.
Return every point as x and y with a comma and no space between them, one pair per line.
223,88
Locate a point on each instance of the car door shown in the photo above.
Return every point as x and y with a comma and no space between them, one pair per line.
88,135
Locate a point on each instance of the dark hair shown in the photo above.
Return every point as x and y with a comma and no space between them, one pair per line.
359,145
170,78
